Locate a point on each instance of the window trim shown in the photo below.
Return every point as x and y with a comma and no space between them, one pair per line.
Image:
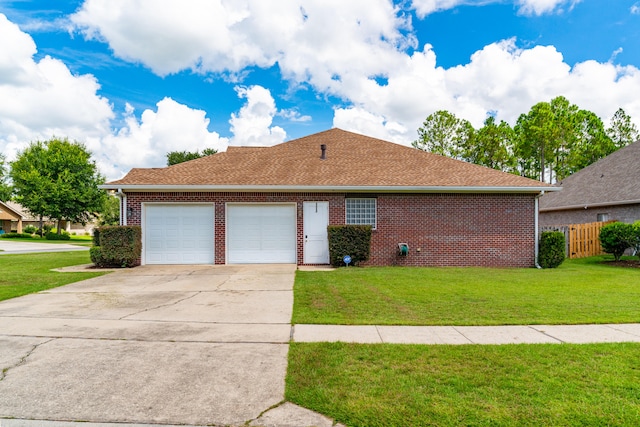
375,211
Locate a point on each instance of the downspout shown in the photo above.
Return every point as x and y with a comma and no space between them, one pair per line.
537,230
123,206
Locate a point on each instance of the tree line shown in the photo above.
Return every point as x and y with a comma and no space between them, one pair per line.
550,142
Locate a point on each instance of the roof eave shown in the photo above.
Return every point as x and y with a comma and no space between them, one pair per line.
589,206
328,188
20,215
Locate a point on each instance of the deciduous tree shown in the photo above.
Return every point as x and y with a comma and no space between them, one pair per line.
175,157
5,187
58,179
110,213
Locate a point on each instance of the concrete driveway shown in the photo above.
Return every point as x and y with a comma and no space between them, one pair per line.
196,345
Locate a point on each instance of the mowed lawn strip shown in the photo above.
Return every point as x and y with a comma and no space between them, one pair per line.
28,273
470,385
579,291
78,240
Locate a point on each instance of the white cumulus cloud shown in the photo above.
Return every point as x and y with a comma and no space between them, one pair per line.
525,7
252,125
145,142
501,78
541,7
39,100
319,40
42,99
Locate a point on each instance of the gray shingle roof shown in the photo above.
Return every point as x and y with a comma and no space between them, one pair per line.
613,180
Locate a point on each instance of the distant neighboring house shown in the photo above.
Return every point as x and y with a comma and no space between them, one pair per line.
9,214
608,189
273,205
27,218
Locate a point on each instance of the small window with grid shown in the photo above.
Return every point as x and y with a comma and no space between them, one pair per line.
361,212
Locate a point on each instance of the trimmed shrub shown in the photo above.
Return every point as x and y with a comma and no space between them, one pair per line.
16,236
120,246
96,237
352,240
551,252
29,229
616,238
55,236
95,253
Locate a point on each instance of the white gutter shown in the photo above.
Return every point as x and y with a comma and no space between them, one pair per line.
537,230
590,205
123,206
328,189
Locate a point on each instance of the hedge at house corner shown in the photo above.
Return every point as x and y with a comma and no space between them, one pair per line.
119,246
352,240
617,237
551,252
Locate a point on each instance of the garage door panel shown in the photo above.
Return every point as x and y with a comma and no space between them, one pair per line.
179,234
261,233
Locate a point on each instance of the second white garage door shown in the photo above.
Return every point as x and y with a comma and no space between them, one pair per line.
178,234
261,233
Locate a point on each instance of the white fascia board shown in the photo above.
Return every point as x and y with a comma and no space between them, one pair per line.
326,189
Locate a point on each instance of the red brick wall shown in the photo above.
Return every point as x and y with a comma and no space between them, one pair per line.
455,230
449,229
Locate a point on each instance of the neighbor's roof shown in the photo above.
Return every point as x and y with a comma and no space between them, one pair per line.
353,162
612,180
8,210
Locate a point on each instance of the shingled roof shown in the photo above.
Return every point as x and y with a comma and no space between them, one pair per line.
353,161
612,180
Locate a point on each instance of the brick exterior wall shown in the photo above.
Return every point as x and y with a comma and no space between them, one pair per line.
623,213
493,230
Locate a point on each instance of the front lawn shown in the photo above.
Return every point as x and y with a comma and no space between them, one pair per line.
28,273
580,291
469,385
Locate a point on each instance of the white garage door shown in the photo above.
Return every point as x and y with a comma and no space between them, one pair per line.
178,234
261,233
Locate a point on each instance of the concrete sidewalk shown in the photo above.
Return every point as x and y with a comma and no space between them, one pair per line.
532,334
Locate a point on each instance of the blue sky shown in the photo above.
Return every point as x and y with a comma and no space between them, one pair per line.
133,80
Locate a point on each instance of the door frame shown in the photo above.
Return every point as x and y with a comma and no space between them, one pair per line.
304,232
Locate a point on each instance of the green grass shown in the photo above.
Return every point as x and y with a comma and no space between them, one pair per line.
470,385
29,273
580,291
75,240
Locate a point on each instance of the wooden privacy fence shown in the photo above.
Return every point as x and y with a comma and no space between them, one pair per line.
582,240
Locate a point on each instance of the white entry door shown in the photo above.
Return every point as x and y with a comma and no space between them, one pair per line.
316,239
